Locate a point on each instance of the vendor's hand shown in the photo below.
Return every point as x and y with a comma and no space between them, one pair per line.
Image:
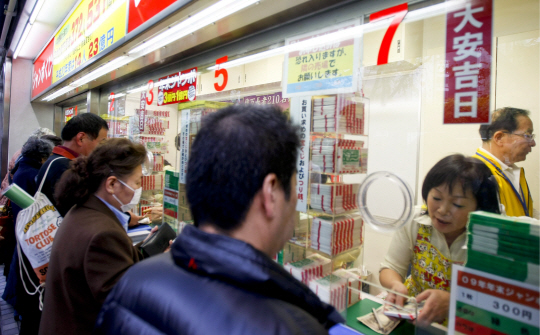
394,298
134,219
436,307
154,213
151,233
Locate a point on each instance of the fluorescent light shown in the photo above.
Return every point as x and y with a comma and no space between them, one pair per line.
202,19
36,10
100,71
138,89
23,38
58,93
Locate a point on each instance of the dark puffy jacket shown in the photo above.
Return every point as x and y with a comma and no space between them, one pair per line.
212,284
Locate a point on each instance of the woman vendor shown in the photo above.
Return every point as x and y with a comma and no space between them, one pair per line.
435,239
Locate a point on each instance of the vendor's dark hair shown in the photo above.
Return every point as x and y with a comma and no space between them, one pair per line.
117,156
235,149
88,123
502,119
471,173
37,148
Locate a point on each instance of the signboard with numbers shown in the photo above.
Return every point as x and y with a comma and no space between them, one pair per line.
468,62
301,116
322,69
177,87
482,303
94,26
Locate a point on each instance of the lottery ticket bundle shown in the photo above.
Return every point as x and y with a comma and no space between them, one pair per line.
332,290
333,114
334,198
153,182
158,113
332,155
158,163
354,284
313,267
504,246
336,235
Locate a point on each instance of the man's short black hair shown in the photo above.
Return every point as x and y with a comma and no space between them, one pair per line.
504,119
235,149
88,123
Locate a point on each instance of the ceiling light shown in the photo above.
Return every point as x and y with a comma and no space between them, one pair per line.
25,34
36,10
202,19
100,71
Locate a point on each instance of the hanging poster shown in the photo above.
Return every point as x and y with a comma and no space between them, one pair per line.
301,116
177,87
327,68
468,62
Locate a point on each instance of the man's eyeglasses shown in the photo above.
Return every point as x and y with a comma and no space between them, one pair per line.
527,137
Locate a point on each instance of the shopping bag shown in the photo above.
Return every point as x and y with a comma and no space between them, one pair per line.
35,230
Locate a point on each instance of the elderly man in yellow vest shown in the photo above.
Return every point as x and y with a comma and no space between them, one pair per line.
506,141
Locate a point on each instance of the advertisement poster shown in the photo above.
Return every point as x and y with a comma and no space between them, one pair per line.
170,198
94,26
141,11
184,144
70,113
482,303
178,87
322,69
468,63
301,116
43,70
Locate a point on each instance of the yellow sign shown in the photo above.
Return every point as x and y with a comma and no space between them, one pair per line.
94,26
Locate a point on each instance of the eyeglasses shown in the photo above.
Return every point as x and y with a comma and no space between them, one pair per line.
528,137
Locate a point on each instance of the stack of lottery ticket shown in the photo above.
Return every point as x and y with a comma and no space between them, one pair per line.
331,155
293,253
313,267
155,125
158,113
335,114
354,284
334,198
504,246
331,290
336,235
153,182
159,162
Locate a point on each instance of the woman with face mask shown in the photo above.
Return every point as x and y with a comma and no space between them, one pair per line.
92,250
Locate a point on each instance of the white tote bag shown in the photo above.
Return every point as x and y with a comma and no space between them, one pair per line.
35,229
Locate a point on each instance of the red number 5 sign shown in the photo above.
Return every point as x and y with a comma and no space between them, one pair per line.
398,12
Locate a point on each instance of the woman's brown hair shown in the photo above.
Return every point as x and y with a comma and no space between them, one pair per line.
117,156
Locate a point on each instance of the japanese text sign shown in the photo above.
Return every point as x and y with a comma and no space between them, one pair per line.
94,26
301,116
327,68
468,62
269,99
482,303
43,70
142,111
141,11
178,87
184,144
69,113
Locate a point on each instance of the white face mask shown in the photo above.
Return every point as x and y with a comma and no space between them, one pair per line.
134,201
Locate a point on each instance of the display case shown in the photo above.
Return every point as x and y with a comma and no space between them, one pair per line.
331,230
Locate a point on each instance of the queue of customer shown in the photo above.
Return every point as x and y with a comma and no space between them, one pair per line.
240,186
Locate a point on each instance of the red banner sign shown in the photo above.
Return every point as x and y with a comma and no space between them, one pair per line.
177,87
141,11
468,62
43,70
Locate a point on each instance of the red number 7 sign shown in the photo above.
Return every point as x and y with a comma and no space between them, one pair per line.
399,13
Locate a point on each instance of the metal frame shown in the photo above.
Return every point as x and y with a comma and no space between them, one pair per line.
6,73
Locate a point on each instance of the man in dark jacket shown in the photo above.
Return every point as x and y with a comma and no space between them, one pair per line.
81,135
219,277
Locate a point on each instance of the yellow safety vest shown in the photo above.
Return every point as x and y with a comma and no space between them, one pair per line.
516,203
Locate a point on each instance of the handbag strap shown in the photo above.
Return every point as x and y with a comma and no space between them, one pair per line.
46,173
